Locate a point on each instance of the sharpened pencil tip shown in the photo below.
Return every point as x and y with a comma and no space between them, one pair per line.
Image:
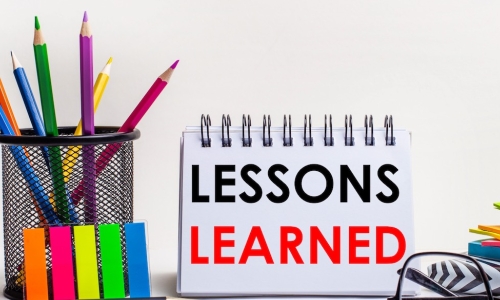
85,17
15,63
174,65
37,24
110,60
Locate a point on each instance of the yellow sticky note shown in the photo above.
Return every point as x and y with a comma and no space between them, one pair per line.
483,232
86,262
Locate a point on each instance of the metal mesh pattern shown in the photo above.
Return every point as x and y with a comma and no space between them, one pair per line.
35,197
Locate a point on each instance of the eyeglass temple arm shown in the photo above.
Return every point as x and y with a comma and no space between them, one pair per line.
420,278
484,277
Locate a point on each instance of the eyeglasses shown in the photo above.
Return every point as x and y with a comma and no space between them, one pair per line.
445,287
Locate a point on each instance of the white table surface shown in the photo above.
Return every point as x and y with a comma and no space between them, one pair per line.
164,278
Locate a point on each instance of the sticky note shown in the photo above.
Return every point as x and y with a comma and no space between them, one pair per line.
86,262
111,260
490,243
137,260
490,228
484,232
63,281
35,264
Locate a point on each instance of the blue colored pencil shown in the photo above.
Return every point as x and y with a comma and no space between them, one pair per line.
36,119
29,173
29,102
28,98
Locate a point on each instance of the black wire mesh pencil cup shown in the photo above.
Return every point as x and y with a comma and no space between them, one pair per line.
50,181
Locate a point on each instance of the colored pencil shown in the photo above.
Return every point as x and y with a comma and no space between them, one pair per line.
28,97
99,88
87,77
36,122
87,103
29,102
4,102
50,122
148,100
44,81
74,151
129,125
23,84
29,173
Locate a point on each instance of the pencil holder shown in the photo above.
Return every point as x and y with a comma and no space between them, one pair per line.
51,181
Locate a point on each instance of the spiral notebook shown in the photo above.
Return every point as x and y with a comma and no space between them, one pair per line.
282,210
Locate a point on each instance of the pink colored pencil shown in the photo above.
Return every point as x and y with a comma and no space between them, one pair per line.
87,110
129,125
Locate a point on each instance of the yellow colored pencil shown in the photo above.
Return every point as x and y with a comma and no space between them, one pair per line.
74,151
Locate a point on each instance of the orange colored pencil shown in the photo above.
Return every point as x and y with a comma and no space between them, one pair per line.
4,102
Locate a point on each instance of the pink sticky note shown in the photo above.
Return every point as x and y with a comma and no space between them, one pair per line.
490,243
63,281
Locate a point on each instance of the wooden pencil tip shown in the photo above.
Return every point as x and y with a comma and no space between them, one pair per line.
174,65
168,73
37,24
110,60
85,17
15,63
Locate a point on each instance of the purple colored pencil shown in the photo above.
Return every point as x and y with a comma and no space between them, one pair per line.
87,77
87,102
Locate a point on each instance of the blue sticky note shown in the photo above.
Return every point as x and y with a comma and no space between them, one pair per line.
137,260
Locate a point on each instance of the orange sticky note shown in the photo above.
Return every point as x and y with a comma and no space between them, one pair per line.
35,264
490,228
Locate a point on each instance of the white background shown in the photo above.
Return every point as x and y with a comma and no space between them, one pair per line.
433,65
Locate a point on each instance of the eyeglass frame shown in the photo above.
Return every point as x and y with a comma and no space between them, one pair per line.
484,277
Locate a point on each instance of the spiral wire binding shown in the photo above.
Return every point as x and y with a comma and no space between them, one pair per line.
329,140
226,142
247,142
287,141
267,142
207,123
389,141
369,140
308,141
349,140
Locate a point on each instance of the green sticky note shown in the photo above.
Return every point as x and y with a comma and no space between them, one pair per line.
86,262
111,257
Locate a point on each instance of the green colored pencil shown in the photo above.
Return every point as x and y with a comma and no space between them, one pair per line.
49,117
44,82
